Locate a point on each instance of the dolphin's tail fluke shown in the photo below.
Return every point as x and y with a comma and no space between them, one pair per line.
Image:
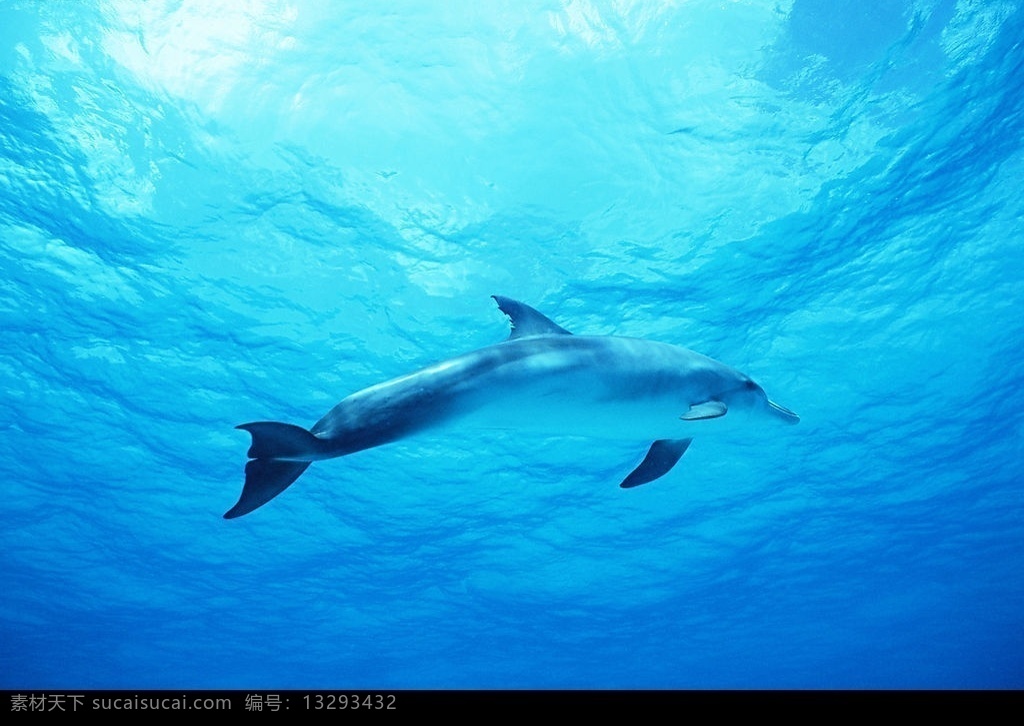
280,453
273,440
264,480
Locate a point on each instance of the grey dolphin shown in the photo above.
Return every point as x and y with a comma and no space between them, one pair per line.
542,379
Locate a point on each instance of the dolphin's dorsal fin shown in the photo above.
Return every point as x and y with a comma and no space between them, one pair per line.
708,409
525,320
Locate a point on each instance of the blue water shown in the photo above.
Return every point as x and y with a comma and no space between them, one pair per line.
220,212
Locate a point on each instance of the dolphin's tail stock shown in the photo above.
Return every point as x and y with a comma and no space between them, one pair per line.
278,456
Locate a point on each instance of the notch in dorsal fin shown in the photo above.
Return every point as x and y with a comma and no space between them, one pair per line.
525,320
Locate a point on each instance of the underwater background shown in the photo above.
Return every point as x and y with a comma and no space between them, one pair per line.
221,212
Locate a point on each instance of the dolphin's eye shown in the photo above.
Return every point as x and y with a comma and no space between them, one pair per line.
750,385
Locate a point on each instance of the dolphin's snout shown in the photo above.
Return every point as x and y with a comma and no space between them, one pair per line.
783,413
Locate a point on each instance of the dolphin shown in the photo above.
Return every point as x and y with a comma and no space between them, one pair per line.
541,379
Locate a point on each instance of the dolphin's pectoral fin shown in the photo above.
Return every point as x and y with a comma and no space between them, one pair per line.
661,457
708,409
264,480
525,320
